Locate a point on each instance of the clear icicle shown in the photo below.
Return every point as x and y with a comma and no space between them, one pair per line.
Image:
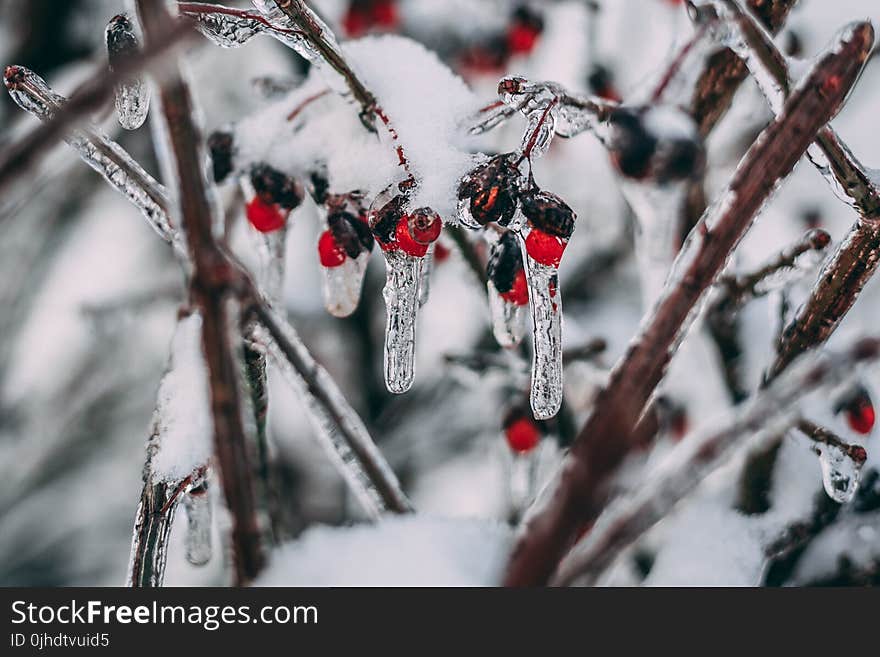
341,286
326,419
401,293
509,320
132,94
425,279
841,470
32,94
658,211
546,306
197,503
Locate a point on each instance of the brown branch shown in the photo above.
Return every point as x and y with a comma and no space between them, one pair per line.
209,289
768,415
92,95
827,437
578,494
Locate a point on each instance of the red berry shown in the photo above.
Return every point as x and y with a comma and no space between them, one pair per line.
522,435
441,253
518,294
521,39
860,416
265,217
329,251
424,225
384,14
405,241
356,21
545,249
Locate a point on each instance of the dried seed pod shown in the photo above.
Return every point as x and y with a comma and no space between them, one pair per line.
492,190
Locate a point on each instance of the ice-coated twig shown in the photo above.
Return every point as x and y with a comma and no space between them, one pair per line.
769,414
209,291
577,495
197,504
152,527
725,72
132,94
90,96
840,461
230,27
338,426
33,94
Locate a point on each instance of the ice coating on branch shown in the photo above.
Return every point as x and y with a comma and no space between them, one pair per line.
841,470
132,94
403,274
182,427
226,30
32,94
326,418
426,113
197,542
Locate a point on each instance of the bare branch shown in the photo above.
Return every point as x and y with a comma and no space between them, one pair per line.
578,493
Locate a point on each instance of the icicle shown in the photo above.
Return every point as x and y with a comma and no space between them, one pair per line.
344,252
197,503
32,94
341,285
841,469
509,309
326,419
401,293
546,305
425,280
132,94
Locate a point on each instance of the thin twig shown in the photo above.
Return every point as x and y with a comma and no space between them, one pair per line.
209,291
578,494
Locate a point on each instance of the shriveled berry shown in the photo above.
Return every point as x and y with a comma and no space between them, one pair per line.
265,217
492,189
342,226
330,252
545,249
518,294
505,260
405,241
858,409
425,225
384,221
275,187
221,148
548,213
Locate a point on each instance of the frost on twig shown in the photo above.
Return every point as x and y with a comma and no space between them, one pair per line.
578,494
771,413
178,454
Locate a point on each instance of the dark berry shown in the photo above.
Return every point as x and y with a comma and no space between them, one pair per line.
492,189
265,217
525,29
318,187
384,221
330,252
405,241
275,187
221,148
505,260
425,225
632,146
343,226
548,213
601,83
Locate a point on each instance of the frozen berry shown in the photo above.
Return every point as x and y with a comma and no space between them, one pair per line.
384,221
505,260
601,83
405,241
329,251
425,225
632,146
524,31
356,20
522,433
492,189
220,146
858,409
275,187
349,233
548,213
265,217
518,294
545,249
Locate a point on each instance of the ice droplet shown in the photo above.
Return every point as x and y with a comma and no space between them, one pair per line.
509,320
197,543
341,286
546,306
132,94
841,470
401,293
327,416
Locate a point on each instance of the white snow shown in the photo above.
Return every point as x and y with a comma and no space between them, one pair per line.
399,551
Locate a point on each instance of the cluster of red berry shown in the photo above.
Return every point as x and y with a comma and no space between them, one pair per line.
520,37
410,231
275,196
